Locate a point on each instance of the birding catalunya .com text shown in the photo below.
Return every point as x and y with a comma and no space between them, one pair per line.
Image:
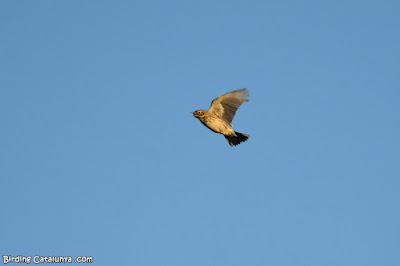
45,259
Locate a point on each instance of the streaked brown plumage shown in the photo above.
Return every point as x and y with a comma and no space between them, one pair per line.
221,113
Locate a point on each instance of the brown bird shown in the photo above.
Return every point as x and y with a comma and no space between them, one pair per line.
220,115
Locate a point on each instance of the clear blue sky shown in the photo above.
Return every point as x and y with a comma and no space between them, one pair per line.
100,156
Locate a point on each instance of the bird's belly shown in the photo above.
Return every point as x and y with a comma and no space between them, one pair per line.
217,126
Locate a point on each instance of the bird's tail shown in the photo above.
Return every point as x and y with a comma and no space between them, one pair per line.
237,138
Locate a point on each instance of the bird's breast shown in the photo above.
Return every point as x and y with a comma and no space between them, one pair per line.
215,124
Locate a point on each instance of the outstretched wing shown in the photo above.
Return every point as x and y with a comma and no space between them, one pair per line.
225,106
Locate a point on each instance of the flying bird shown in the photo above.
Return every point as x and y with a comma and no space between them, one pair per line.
221,113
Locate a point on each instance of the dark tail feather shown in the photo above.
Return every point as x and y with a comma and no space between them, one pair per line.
235,140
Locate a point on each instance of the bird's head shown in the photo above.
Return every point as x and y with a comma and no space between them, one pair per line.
199,113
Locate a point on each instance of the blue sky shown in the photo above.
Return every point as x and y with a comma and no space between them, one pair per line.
100,156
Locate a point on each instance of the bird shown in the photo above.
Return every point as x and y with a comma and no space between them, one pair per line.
221,113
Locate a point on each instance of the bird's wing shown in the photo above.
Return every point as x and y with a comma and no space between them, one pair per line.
225,106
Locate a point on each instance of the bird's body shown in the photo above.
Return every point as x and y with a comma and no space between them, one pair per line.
214,123
221,113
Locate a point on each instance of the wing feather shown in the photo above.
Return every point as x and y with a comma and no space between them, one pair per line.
225,106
